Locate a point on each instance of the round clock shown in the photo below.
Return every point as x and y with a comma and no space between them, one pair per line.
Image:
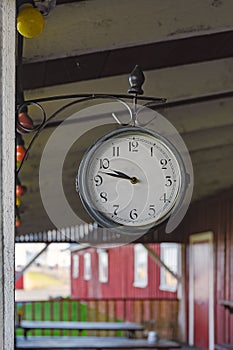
131,179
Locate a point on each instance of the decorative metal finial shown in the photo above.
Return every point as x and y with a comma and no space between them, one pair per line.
136,80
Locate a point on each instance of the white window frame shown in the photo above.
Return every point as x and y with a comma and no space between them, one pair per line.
140,266
75,266
87,266
103,266
172,265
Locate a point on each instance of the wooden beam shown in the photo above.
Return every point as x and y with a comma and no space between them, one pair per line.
158,260
160,54
61,2
207,138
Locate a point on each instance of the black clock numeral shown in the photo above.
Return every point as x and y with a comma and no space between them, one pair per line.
169,181
164,198
151,211
104,197
163,162
133,214
116,207
152,151
133,146
98,180
104,163
115,151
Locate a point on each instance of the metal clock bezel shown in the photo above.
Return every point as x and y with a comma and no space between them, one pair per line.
101,219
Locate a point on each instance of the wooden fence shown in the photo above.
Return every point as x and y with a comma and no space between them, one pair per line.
160,315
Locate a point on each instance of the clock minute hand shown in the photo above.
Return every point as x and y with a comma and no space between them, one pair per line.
121,175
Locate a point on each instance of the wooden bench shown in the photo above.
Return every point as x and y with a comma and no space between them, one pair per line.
224,346
128,327
94,343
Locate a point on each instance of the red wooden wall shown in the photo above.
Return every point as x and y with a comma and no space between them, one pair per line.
216,215
19,284
120,278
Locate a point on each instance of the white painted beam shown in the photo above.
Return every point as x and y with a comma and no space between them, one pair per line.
7,181
97,25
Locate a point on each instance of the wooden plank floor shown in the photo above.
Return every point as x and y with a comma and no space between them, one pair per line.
66,343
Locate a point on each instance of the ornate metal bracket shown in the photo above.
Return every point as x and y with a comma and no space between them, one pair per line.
136,80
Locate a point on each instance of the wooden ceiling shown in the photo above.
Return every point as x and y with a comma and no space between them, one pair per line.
186,53
116,61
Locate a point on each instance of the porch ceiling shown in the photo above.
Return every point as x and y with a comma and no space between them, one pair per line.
186,54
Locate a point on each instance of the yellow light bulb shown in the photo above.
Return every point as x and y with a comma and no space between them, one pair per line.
30,21
17,201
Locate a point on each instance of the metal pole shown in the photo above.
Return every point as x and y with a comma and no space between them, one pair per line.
20,273
161,263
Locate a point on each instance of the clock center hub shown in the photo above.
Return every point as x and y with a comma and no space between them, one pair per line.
134,180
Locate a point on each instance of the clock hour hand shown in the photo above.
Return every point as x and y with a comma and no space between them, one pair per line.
123,175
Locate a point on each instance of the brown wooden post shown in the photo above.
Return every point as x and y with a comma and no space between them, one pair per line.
114,311
106,310
124,309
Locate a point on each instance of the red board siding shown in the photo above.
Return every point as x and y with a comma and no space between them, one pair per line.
19,284
121,277
119,299
216,215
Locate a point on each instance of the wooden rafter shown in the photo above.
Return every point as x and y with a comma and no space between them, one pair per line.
159,54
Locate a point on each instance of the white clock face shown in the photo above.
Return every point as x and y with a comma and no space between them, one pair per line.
130,177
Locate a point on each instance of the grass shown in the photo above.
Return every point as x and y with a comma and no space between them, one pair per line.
35,279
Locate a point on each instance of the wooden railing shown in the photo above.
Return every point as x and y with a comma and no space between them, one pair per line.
160,315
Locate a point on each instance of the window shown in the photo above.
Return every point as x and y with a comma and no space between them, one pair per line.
103,266
169,255
140,266
87,266
75,264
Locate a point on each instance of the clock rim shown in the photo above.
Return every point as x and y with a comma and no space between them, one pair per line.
98,216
